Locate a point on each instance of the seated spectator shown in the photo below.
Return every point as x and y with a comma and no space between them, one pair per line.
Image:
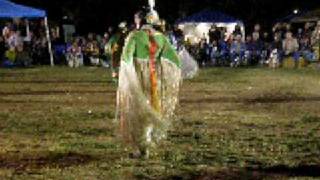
306,50
74,55
315,40
237,51
290,49
22,58
10,57
213,52
290,45
6,31
265,47
94,53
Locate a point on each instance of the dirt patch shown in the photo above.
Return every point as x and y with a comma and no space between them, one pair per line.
39,162
40,93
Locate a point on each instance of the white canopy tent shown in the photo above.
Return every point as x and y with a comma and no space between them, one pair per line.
198,25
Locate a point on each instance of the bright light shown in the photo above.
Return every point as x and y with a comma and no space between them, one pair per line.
296,11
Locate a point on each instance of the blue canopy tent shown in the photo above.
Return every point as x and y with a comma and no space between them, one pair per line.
196,25
12,10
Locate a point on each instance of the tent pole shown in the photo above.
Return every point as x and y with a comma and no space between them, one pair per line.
49,41
28,30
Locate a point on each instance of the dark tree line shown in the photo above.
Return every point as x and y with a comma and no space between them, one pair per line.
95,15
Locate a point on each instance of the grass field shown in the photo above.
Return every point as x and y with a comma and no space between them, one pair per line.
231,123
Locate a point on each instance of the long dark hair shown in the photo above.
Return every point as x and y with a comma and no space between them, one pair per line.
141,15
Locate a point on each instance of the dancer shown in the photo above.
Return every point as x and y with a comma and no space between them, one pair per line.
114,49
149,80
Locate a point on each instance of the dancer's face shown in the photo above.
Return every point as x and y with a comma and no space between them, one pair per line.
137,19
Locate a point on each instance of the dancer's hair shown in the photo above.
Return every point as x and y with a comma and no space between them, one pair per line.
142,15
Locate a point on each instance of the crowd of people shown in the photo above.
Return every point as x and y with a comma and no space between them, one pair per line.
22,45
284,45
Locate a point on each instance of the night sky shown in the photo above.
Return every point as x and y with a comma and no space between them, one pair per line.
97,15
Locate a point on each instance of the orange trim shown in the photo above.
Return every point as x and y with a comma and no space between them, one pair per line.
153,74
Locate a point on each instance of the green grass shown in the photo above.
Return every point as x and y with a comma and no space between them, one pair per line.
237,123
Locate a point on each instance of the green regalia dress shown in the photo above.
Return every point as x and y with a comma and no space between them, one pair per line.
149,80
114,50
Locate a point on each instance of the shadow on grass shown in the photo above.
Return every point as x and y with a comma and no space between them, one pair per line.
262,100
59,160
254,173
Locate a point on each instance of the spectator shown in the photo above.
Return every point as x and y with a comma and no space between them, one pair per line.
237,31
203,47
2,49
276,47
213,52
179,36
237,51
257,31
290,45
305,49
315,40
214,34
257,47
74,55
224,49
6,31
22,58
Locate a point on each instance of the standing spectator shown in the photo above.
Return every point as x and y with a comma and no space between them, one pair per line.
224,48
214,34
203,47
257,31
265,47
277,29
307,32
257,47
58,46
179,36
237,31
